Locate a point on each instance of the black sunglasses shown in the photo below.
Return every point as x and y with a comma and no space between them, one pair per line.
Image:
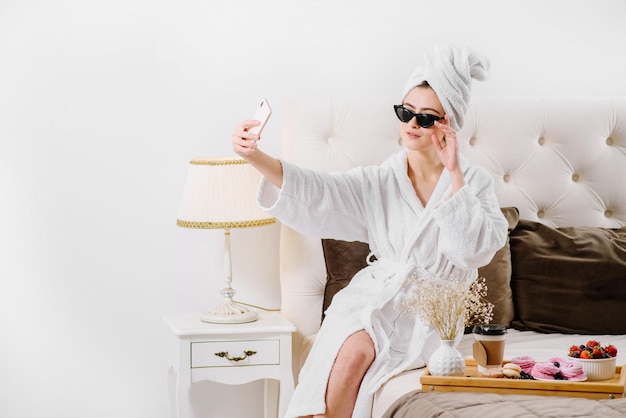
423,119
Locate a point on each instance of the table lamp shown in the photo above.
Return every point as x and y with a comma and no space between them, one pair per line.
220,193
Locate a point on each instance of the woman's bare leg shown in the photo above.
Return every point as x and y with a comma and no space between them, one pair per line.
354,359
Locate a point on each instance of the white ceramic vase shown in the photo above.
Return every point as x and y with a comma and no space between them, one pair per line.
446,360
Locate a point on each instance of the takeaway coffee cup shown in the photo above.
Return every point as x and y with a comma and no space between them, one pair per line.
488,346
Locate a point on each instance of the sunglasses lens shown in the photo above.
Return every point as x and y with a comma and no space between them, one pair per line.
404,114
426,121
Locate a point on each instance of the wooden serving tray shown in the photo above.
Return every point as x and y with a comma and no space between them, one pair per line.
472,381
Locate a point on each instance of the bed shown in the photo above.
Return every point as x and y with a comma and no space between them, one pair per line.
559,165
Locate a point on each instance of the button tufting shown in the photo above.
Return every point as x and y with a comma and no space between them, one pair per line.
472,140
609,141
608,213
540,214
506,178
541,140
574,177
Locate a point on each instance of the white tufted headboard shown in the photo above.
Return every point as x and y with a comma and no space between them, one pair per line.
559,160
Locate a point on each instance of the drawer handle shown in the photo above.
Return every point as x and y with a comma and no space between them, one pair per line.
225,355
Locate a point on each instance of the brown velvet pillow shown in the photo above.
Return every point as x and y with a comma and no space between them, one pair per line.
569,280
497,276
344,259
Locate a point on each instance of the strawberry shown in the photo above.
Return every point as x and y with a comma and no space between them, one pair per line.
573,350
610,350
596,353
592,343
585,354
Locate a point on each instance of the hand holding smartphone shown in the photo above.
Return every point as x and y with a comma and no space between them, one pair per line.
262,114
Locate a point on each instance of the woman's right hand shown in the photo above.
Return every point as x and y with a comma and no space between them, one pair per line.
245,145
244,142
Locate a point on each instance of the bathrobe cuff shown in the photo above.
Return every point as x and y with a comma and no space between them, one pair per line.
268,195
484,228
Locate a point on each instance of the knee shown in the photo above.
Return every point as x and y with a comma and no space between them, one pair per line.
357,354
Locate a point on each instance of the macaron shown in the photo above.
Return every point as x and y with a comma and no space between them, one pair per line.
493,372
511,370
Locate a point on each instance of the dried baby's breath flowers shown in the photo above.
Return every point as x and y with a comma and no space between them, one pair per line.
448,305
478,310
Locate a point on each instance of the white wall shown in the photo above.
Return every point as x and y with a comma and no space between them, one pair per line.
102,104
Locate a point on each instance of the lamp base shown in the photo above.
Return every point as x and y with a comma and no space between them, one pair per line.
228,312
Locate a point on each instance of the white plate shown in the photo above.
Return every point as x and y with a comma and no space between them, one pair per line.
561,380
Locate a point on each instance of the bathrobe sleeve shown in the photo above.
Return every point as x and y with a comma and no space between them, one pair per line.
326,205
475,211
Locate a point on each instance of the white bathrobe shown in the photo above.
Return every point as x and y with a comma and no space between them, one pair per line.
378,205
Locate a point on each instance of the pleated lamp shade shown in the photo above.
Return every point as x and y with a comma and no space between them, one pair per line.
220,193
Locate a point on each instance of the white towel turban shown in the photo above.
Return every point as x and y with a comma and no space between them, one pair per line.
449,70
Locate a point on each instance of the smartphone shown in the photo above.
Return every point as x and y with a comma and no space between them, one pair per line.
262,114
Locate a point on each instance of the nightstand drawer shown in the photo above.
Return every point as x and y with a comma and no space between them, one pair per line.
235,353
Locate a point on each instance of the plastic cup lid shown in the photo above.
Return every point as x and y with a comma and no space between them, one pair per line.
489,329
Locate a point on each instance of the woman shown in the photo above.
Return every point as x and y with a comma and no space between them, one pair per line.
423,208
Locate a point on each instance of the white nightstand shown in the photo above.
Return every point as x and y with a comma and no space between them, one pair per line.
232,354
